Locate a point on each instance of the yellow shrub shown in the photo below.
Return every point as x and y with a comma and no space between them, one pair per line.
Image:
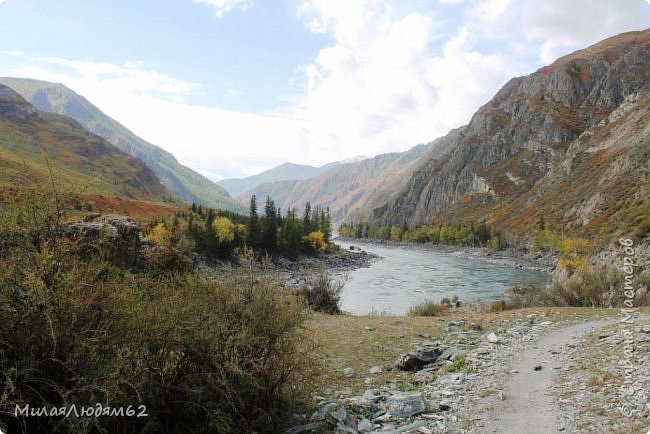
573,245
572,264
224,229
317,240
160,235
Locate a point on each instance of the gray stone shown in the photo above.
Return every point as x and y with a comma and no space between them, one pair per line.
403,405
302,428
349,373
411,426
422,355
364,425
337,416
451,353
323,411
114,238
376,370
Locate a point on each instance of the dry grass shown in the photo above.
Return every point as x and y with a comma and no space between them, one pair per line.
137,209
361,342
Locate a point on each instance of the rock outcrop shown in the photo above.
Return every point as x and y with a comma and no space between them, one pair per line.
114,238
14,107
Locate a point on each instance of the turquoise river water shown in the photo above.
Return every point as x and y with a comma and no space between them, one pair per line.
406,276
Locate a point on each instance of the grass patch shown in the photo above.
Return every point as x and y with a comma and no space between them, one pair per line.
456,365
428,308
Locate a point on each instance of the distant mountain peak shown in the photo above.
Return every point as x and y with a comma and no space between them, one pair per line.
284,172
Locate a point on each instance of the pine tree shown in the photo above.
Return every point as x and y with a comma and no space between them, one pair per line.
253,238
326,224
269,227
306,217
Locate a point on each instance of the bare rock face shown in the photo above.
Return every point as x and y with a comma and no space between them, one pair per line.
535,142
13,106
115,238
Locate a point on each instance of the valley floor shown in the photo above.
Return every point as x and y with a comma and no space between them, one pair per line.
495,386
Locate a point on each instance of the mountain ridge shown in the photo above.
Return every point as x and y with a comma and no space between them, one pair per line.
185,183
284,172
517,157
33,143
349,188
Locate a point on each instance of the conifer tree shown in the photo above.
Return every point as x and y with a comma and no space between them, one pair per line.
253,238
270,226
306,217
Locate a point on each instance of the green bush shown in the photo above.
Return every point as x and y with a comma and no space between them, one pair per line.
229,356
587,286
428,308
168,260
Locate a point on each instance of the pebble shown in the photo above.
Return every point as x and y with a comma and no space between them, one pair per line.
457,395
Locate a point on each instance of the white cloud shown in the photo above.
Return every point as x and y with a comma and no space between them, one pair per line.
219,142
387,81
557,27
222,6
379,87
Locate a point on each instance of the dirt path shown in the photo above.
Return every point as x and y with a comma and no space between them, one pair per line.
528,404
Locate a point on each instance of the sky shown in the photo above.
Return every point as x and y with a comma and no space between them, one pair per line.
234,87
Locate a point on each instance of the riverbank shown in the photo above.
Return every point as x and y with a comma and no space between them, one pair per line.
510,257
338,262
472,383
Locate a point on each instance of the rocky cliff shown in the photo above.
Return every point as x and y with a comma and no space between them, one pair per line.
569,141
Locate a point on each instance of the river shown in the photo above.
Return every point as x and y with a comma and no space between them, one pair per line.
407,276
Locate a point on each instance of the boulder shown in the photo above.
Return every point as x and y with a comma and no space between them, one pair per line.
424,354
114,238
403,405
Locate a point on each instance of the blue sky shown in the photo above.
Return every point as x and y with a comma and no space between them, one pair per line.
232,87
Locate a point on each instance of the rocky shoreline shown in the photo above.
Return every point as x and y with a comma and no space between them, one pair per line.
298,272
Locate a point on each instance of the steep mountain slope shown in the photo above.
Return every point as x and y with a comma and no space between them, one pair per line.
283,172
351,188
181,181
569,141
78,158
